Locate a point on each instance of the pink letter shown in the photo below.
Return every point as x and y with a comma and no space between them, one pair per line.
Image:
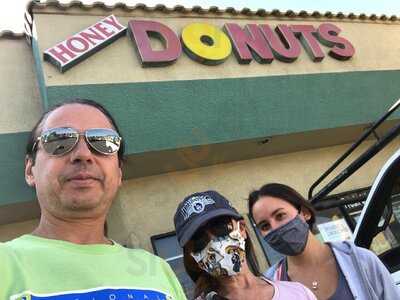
80,40
104,30
249,43
305,34
60,54
284,44
93,35
113,22
140,32
328,34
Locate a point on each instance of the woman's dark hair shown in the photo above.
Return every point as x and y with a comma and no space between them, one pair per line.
284,192
35,132
204,282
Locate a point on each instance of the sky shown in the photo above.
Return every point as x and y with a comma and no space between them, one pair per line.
11,14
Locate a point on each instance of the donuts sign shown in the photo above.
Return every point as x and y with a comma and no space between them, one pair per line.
205,43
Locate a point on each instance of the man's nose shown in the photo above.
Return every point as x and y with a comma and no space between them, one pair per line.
81,151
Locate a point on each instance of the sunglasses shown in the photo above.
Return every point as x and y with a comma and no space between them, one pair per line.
61,140
219,228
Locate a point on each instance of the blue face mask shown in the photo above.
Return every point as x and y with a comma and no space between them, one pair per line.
289,239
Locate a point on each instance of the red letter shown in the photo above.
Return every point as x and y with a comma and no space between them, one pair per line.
59,55
104,30
305,34
113,22
80,40
140,32
328,34
285,46
247,42
89,36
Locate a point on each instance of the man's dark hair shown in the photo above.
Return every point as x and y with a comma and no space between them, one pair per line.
35,132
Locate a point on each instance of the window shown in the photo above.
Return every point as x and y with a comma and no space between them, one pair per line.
166,246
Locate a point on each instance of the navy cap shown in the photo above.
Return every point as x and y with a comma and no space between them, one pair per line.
197,209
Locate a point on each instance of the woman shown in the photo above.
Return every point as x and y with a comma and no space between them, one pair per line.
332,271
218,254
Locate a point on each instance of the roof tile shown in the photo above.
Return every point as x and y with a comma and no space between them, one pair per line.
195,9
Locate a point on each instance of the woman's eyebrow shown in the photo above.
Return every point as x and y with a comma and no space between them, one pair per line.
272,215
276,211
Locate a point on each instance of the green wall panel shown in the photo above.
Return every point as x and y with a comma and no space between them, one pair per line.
39,71
167,115
13,188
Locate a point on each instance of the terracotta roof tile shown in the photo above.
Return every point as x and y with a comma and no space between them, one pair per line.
199,10
8,34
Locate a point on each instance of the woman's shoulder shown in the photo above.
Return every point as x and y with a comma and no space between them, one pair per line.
351,257
349,248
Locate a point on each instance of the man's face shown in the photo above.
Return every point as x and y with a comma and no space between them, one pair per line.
81,183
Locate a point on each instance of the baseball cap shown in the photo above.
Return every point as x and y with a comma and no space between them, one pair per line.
197,209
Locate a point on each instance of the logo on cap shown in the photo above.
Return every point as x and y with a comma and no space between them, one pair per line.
196,204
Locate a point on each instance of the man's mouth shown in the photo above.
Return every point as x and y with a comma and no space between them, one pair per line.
83,179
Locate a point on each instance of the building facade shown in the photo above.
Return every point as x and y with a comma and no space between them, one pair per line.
205,98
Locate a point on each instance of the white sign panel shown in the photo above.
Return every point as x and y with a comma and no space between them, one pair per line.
85,43
335,231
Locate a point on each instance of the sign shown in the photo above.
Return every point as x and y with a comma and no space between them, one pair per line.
78,47
335,231
209,45
205,43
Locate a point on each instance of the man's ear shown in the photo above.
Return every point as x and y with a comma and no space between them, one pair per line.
29,177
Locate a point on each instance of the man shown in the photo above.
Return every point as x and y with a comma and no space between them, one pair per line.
73,161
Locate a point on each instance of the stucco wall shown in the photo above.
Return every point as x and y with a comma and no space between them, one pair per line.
19,97
13,230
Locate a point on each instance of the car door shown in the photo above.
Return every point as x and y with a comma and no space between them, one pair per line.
378,225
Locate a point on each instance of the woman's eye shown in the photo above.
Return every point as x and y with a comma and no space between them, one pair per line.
280,216
264,227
